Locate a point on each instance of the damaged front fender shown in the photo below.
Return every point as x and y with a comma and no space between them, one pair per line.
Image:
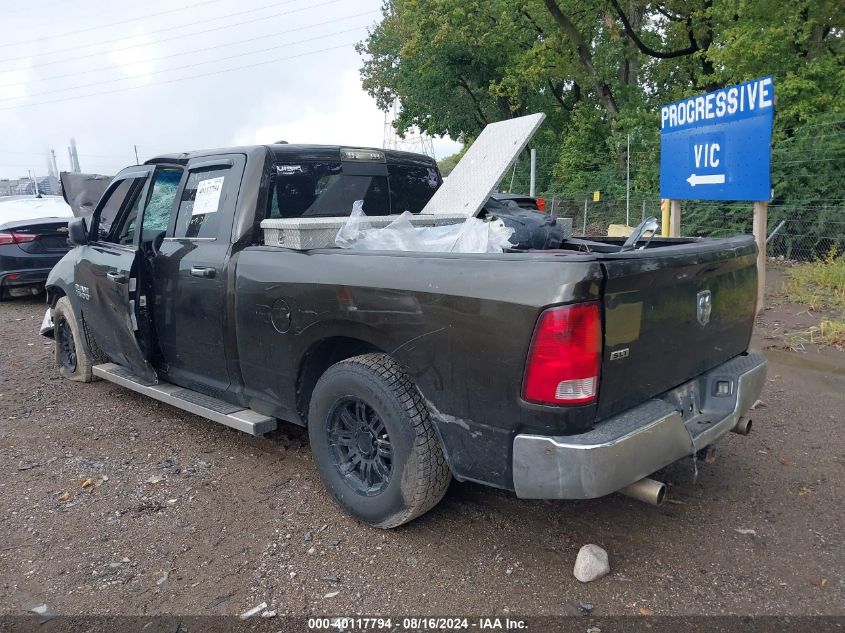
46,328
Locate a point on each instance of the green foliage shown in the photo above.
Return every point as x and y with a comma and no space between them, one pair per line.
456,65
830,333
447,164
819,284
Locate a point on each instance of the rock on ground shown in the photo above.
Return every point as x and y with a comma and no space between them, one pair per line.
591,563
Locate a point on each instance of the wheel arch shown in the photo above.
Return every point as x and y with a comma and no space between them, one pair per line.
318,358
56,291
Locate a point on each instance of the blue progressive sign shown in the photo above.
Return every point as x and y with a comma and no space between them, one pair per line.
717,146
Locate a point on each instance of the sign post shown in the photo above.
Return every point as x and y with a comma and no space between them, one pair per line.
717,146
674,218
761,216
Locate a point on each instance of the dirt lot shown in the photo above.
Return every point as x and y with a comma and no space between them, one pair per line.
111,503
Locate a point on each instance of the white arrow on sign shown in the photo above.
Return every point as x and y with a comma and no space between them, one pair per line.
710,179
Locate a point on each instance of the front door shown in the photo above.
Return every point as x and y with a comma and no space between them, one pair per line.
107,273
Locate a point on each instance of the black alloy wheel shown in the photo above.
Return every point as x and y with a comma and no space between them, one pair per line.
66,345
360,446
374,443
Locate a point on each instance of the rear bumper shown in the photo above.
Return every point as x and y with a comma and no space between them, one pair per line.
24,277
636,443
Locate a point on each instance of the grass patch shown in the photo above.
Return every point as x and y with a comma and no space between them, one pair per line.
818,284
830,332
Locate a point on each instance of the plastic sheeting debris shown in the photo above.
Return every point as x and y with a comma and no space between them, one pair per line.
470,236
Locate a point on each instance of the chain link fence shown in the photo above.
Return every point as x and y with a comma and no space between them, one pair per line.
798,230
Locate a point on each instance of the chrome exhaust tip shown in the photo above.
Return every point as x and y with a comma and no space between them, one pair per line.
743,427
647,490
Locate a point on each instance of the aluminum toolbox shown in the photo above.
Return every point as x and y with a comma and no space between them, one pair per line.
303,234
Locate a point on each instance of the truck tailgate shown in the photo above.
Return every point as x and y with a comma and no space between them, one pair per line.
671,313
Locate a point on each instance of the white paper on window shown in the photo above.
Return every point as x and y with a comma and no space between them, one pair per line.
208,196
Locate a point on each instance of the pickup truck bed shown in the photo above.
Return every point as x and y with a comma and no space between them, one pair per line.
650,345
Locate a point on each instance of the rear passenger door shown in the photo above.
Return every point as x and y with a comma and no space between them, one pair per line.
191,291
107,272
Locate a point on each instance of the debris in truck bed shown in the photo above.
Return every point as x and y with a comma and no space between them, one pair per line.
470,236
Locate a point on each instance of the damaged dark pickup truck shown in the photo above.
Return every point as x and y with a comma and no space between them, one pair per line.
569,372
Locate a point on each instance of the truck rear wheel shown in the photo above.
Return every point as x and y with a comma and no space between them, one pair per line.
374,442
73,362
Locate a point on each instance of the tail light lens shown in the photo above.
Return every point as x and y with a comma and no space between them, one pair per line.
565,356
16,238
541,204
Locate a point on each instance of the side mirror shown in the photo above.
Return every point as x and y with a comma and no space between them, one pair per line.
77,232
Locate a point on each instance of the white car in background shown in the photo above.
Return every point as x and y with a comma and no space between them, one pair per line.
33,237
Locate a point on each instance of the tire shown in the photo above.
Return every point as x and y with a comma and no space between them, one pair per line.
71,355
369,407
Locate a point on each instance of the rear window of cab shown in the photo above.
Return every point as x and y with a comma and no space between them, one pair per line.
329,188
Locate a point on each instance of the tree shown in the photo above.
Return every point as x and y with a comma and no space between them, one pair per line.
447,164
600,69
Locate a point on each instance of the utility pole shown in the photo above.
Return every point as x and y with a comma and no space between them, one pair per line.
628,183
55,166
584,231
33,181
74,157
137,162
532,186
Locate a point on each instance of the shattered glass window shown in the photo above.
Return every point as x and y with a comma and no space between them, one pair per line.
160,206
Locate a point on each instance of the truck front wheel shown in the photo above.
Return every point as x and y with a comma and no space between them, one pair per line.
73,362
374,443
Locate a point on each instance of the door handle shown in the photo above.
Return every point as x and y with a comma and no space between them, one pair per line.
202,271
117,276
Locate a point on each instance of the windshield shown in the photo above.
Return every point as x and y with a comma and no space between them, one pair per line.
328,189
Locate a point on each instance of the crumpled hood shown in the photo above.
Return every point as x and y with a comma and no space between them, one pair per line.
83,191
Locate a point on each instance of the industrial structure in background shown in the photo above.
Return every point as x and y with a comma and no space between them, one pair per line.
48,185
414,141
73,157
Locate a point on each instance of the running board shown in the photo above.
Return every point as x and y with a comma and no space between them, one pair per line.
245,420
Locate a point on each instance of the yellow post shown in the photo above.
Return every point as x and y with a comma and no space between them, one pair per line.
761,214
664,208
675,218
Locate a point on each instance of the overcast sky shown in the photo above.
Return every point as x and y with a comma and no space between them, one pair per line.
173,76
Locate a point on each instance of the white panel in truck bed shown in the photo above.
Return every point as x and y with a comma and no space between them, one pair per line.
487,160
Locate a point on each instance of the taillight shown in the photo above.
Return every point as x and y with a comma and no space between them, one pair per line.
565,356
16,238
541,204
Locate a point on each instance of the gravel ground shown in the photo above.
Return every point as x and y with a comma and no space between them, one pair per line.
111,503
